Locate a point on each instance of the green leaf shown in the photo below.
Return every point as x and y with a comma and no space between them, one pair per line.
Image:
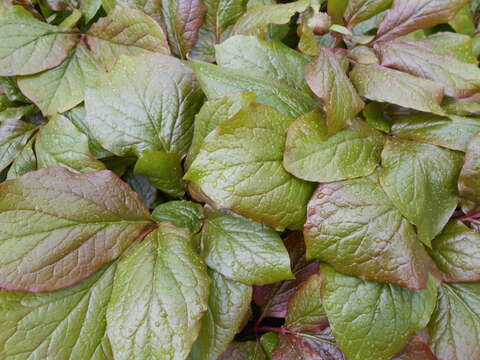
163,169
375,115
78,117
160,294
406,16
457,252
311,155
223,13
453,132
240,163
28,45
469,180
269,341
89,8
14,135
181,213
257,18
460,79
60,143
305,310
244,250
65,324
11,90
228,306
463,22
125,32
25,161
247,350
155,97
62,88
336,9
212,114
353,226
326,77
151,8
421,180
59,227
218,81
455,325
204,48
271,59
382,84
463,108
449,43
387,314
361,10
183,19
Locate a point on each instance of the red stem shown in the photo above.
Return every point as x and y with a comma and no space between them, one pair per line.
471,217
274,329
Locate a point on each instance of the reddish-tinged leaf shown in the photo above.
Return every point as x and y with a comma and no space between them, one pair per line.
58,227
327,79
356,228
406,16
274,298
183,19
459,78
469,180
417,349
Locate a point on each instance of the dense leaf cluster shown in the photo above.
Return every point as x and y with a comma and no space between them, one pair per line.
239,180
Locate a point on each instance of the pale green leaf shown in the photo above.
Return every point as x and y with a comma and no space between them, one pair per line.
160,294
312,155
240,163
14,135
181,213
60,143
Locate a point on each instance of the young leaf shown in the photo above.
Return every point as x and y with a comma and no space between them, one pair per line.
14,135
125,32
155,97
257,18
183,19
326,77
228,305
160,294
25,161
218,81
311,155
241,162
273,299
243,250
59,227
65,324
355,227
387,313
221,14
212,114
89,8
406,16
60,143
361,10
28,45
305,310
163,169
181,213
382,84
457,252
452,132
455,325
469,180
62,88
272,59
460,79
421,181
